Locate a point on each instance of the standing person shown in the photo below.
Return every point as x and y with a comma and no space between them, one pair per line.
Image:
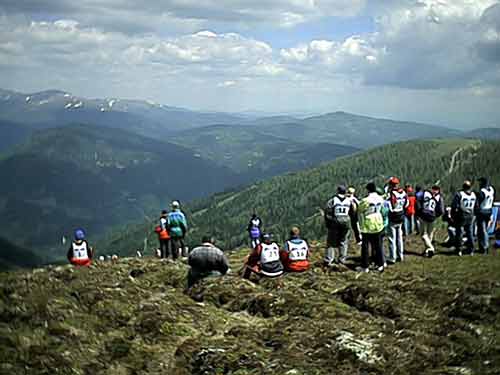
398,202
484,210
264,260
418,195
205,261
254,230
429,207
338,212
295,255
462,210
409,221
351,193
177,227
371,224
163,235
80,253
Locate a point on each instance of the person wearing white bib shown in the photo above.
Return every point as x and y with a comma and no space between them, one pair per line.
462,210
429,207
264,260
338,212
80,253
483,211
398,203
295,255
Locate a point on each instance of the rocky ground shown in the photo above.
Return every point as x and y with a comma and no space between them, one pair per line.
423,316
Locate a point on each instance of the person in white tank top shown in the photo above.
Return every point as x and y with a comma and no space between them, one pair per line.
484,210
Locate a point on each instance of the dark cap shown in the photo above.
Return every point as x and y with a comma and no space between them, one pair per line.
341,189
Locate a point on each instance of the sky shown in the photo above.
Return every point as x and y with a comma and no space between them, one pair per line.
434,61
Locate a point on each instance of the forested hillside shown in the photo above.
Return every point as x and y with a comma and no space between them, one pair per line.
96,178
297,198
12,256
257,155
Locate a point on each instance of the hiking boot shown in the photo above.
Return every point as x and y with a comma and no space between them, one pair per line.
380,269
362,270
459,253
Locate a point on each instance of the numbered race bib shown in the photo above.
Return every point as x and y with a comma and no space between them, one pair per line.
80,251
297,251
270,253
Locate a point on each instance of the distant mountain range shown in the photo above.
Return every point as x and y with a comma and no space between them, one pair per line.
67,161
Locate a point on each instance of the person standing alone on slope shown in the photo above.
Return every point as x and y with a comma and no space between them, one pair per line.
338,212
398,203
484,210
254,230
80,253
177,227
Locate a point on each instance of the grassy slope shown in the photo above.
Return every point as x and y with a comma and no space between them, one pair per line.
438,316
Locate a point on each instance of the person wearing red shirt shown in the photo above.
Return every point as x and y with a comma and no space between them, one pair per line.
295,255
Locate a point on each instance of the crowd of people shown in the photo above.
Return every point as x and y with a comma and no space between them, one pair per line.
384,215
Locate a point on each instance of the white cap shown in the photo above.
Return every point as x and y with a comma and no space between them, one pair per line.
176,204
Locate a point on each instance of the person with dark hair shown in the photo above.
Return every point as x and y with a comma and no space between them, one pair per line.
264,260
409,220
338,212
254,230
351,193
418,195
483,211
295,255
371,224
205,261
398,203
80,253
163,235
177,227
462,210
429,207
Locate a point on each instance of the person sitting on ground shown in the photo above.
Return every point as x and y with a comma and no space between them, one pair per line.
429,208
254,230
264,260
295,255
338,214
80,253
483,211
351,193
177,227
371,223
205,261
163,235
462,210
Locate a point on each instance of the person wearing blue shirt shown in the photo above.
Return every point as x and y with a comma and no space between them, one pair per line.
177,226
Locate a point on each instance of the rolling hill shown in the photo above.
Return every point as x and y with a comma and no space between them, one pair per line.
296,198
248,151
96,178
13,257
354,130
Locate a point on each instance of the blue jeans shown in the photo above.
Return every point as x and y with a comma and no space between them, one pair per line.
466,228
409,224
396,244
482,233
